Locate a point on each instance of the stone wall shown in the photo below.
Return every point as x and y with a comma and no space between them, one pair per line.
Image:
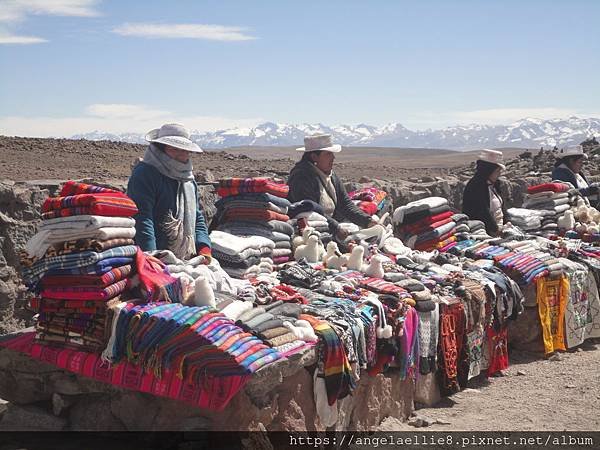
278,398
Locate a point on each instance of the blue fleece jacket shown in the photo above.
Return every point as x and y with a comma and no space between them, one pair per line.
155,195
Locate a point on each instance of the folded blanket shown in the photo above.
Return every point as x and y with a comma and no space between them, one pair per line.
254,197
74,260
304,206
237,186
85,222
101,204
75,187
253,229
248,204
433,234
85,293
418,209
251,214
552,187
412,229
545,204
99,268
110,277
234,245
308,216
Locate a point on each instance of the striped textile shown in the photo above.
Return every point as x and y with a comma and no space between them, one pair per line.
237,186
89,204
338,380
114,275
85,293
74,260
74,188
261,215
213,393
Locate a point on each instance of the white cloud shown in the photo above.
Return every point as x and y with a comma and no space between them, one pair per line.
8,38
114,118
13,12
180,31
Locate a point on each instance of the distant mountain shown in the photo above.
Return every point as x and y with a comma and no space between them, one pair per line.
527,133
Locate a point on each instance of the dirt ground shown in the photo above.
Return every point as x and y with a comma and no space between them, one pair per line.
535,394
60,159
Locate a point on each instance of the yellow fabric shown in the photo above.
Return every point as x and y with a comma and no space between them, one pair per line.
552,300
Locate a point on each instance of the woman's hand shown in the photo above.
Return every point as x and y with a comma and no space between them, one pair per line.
341,234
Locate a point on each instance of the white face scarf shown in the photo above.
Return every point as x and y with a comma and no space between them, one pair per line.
180,227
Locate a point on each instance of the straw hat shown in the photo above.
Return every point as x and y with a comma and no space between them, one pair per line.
572,151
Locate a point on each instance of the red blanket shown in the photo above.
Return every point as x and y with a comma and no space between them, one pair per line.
213,393
422,229
548,187
429,245
237,186
427,221
100,204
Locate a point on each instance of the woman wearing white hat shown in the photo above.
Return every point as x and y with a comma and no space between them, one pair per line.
312,178
568,169
482,199
165,192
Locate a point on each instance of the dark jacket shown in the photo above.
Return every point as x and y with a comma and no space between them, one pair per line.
305,184
476,202
566,175
155,195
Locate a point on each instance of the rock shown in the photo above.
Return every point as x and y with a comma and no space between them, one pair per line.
135,410
93,413
521,373
364,179
29,418
427,391
570,386
3,407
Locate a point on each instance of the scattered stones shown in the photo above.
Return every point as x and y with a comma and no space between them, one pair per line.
521,373
26,418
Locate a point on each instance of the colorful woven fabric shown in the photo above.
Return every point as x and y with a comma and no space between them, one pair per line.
261,215
114,275
155,281
101,204
213,392
74,188
84,293
336,367
552,300
237,186
73,261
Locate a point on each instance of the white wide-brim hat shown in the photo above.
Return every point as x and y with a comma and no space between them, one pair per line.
572,151
319,142
492,156
175,135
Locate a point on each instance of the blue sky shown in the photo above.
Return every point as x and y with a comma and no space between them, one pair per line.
72,66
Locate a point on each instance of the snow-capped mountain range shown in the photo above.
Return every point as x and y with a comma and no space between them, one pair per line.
526,133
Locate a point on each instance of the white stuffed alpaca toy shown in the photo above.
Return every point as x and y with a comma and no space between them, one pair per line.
375,267
203,293
303,238
333,258
310,251
356,258
566,221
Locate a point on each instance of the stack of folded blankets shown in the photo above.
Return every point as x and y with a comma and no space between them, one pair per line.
79,263
307,213
426,224
528,220
256,207
551,200
242,256
370,200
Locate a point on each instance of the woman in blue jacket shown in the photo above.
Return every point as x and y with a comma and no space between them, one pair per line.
568,169
165,192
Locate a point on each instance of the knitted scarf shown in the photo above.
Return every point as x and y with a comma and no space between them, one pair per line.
179,227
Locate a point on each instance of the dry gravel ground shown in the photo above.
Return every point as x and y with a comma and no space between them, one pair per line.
535,394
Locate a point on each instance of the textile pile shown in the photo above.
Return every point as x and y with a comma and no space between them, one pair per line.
426,224
79,264
371,200
256,207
